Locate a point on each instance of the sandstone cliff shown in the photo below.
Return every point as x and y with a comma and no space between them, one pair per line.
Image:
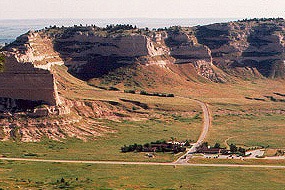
255,46
27,74
216,52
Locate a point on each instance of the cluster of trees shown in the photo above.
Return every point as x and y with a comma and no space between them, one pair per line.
158,146
279,94
105,88
261,19
275,99
130,91
156,94
113,27
279,153
233,148
260,99
217,145
238,150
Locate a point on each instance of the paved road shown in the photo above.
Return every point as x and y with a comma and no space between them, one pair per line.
184,158
142,163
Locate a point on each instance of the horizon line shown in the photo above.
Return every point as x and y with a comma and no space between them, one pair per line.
136,18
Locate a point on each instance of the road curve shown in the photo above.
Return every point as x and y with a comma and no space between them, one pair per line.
207,124
141,163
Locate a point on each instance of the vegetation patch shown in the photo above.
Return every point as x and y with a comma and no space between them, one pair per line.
2,60
156,94
137,103
158,146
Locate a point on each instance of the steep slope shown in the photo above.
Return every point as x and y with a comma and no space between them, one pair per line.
128,57
92,52
253,48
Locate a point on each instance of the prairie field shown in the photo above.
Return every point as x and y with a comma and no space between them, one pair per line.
33,175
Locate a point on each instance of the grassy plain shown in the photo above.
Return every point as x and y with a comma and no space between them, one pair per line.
237,161
32,175
243,121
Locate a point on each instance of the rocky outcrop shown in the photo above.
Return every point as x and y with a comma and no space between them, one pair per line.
245,48
186,50
90,54
27,74
248,45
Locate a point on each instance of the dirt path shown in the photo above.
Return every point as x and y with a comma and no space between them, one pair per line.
226,142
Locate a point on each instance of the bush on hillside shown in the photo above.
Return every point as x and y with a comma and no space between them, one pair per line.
2,60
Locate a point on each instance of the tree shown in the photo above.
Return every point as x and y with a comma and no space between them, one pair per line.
217,145
205,144
241,150
233,148
187,143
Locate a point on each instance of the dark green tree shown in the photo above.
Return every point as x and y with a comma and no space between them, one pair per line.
217,145
187,143
233,148
241,150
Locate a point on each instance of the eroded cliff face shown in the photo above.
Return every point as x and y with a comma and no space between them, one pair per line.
89,54
27,74
216,52
185,49
253,47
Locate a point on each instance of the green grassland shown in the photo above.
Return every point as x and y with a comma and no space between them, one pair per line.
249,129
169,124
245,121
108,147
241,120
200,160
33,175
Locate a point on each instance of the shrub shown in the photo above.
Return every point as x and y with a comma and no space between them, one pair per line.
2,60
130,91
113,88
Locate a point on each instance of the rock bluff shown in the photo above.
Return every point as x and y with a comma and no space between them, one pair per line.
27,74
216,52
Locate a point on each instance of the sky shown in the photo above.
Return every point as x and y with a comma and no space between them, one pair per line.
38,9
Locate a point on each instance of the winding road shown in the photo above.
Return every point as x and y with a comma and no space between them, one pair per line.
181,161
184,158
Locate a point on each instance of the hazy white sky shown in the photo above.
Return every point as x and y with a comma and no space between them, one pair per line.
32,9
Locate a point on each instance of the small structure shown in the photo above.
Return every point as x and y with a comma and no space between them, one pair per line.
210,150
176,143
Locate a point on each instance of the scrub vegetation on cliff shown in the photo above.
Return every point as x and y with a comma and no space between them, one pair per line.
2,60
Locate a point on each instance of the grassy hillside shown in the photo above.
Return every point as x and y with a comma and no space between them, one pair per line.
133,118
242,112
